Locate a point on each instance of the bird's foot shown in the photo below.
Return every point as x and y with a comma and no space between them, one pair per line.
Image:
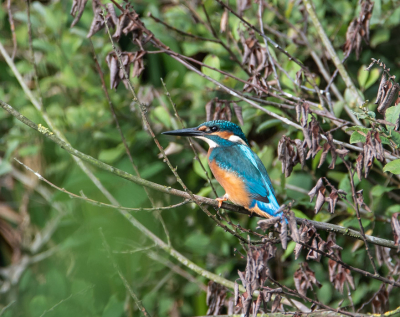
221,200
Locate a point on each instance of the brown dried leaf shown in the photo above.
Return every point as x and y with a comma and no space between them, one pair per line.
306,232
326,149
320,200
315,137
352,30
238,112
216,294
360,200
209,108
391,94
304,277
396,229
236,293
257,304
293,226
301,153
314,191
276,305
312,254
78,6
242,5
380,302
381,89
298,112
224,21
359,165
333,198
284,235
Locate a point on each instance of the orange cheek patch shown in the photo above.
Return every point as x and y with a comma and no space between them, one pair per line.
224,134
202,128
233,185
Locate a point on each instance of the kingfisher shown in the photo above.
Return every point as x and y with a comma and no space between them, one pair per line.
236,167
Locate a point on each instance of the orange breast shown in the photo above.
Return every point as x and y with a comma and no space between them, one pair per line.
233,185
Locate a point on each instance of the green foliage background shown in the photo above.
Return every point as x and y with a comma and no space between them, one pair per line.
78,278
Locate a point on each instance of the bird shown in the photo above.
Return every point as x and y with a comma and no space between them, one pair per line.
236,167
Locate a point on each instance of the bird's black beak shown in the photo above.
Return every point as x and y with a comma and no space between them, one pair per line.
185,132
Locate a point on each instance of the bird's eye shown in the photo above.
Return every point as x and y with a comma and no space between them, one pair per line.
214,129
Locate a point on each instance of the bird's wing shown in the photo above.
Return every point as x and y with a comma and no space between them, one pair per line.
243,161
259,165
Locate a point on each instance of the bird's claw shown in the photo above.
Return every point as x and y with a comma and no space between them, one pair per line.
221,200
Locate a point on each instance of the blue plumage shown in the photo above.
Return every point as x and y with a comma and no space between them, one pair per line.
236,167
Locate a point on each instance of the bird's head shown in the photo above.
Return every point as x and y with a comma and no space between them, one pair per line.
215,133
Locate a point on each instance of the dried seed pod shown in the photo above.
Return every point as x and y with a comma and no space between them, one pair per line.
396,229
78,6
209,108
301,153
224,21
325,151
314,191
391,94
381,89
320,200
359,165
238,112
333,198
298,112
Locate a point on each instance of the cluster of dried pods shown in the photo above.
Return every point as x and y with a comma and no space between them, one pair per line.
126,23
291,152
254,278
388,90
359,29
217,109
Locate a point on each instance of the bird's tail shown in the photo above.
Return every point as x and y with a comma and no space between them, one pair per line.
270,209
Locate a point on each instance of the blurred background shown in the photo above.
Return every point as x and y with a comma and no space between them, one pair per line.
52,258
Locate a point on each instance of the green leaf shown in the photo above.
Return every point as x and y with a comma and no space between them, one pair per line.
213,61
379,190
28,150
114,307
289,250
392,167
394,208
198,169
357,137
162,116
362,76
267,124
381,35
372,78
111,155
391,115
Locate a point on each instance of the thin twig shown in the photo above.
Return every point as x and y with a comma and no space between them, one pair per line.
196,154
353,191
12,27
124,280
32,53
95,202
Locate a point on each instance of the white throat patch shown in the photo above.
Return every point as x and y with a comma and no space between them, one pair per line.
236,139
211,143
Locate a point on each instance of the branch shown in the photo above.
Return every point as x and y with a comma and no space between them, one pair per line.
171,191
